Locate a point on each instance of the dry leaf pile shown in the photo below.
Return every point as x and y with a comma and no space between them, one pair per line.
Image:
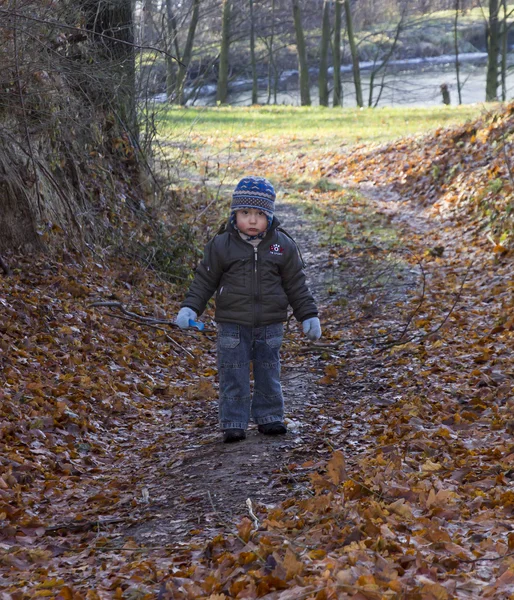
419,506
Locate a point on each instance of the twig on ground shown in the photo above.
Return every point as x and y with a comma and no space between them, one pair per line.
298,482
225,524
168,337
83,525
420,303
335,345
252,514
147,321
121,307
419,338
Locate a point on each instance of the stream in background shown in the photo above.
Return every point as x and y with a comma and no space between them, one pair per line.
411,82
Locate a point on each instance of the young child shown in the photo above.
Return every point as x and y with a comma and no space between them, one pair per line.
256,270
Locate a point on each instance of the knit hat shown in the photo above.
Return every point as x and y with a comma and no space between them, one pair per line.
254,192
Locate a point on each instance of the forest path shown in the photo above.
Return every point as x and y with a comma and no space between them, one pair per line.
198,487
197,484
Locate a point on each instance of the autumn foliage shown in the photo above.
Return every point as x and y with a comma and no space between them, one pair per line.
402,487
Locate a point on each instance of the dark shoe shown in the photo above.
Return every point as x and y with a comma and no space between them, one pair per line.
233,435
276,428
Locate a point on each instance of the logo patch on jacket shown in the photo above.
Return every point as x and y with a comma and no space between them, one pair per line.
276,249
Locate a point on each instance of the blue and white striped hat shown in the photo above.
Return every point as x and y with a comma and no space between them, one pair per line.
254,192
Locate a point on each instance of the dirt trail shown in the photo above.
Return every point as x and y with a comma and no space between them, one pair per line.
189,486
198,486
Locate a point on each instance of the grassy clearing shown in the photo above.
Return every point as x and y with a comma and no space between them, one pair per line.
221,127
474,15
210,148
216,144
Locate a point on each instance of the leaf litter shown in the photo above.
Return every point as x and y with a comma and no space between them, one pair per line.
397,479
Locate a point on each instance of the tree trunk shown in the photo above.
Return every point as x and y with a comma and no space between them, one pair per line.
171,37
336,52
445,92
252,55
505,50
456,44
188,51
148,31
493,52
323,58
115,19
384,62
353,50
271,59
91,87
305,94
222,89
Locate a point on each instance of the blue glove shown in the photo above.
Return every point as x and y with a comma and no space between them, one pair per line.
185,314
312,328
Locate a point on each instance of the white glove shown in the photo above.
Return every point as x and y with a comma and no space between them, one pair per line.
184,314
312,328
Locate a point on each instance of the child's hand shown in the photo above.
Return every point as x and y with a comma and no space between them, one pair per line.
183,317
312,328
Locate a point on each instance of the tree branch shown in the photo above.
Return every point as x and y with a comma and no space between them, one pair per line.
11,13
419,338
25,124
148,321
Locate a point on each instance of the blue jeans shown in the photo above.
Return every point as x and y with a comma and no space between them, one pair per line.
238,345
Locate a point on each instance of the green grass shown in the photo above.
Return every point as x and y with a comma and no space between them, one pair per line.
211,148
474,15
241,127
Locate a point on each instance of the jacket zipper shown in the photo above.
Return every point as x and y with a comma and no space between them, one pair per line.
256,287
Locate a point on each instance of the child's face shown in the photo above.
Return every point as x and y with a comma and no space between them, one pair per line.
251,221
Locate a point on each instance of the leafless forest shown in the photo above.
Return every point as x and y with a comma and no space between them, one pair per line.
74,75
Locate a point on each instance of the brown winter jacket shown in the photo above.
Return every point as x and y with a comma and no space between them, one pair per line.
253,286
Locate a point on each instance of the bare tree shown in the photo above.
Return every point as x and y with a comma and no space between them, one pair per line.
148,28
504,47
305,95
188,51
323,59
456,46
337,98
493,52
171,37
222,88
385,60
353,50
272,66
253,61
117,51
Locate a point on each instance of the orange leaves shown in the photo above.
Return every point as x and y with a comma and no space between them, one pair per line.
401,508
292,565
330,376
503,585
97,416
336,468
430,466
78,392
440,499
336,474
245,529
